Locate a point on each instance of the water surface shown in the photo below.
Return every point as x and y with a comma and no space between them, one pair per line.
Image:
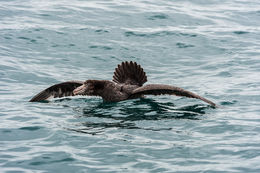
211,48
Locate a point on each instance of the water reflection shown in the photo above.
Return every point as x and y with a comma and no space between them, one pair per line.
143,109
99,116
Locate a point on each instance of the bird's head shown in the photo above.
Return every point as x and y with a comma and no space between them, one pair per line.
89,87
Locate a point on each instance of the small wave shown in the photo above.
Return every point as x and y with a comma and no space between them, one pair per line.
157,34
183,45
158,16
100,47
101,31
240,32
31,128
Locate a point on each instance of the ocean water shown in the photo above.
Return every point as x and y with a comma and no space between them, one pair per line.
209,47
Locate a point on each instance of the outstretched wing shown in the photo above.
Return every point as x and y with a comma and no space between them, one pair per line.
58,90
158,89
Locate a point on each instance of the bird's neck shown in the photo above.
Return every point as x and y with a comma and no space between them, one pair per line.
100,87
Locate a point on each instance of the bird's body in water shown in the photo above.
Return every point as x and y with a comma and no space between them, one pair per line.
108,90
127,83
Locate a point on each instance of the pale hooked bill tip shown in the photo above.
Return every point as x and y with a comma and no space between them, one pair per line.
79,90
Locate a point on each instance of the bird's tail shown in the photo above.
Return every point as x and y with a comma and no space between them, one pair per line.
130,73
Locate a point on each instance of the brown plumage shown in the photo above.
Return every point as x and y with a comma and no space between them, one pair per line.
127,83
129,73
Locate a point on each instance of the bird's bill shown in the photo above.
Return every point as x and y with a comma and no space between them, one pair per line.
80,90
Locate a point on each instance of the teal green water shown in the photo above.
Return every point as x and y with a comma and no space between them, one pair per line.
209,47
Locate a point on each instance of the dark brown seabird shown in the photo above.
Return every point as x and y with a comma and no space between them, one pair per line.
127,83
